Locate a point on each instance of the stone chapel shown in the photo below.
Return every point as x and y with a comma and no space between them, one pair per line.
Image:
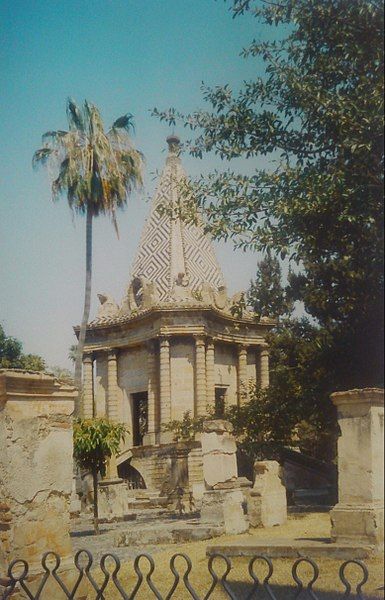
174,344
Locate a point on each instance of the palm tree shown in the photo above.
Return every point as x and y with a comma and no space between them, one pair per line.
96,171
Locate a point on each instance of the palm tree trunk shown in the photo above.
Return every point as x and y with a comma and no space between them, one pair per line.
96,507
86,311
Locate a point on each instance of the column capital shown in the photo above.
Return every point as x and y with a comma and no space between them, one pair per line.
200,339
88,357
111,354
164,340
242,348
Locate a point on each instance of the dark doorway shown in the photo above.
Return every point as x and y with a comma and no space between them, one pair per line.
139,417
220,401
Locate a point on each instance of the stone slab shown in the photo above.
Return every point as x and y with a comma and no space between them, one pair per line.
287,548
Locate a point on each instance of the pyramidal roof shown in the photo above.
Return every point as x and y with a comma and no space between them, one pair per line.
171,247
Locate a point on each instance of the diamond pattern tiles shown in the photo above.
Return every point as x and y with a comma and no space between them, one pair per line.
156,250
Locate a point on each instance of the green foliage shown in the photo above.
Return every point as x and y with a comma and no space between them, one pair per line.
95,441
318,113
266,294
94,168
12,357
185,429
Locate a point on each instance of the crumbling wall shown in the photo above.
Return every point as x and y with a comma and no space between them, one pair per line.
35,465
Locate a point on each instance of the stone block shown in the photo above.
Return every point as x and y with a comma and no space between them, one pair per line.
266,503
358,525
218,453
113,499
224,508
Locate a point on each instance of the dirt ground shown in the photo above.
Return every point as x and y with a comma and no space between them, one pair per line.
282,586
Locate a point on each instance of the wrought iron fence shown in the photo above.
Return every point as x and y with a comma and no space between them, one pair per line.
106,582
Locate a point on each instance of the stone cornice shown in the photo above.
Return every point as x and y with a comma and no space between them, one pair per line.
157,310
19,383
373,396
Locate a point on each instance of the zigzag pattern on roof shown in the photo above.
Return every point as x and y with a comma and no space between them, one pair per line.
170,246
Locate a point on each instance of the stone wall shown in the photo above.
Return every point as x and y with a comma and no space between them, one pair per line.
35,465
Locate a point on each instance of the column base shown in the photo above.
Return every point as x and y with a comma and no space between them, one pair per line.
358,523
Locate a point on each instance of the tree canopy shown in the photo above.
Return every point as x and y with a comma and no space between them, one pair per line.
317,112
96,170
12,356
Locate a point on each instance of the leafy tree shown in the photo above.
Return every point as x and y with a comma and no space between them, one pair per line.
95,441
12,357
266,294
185,429
95,170
318,113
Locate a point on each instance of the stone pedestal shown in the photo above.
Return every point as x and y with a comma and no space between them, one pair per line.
224,508
359,515
219,454
222,501
36,467
266,505
113,499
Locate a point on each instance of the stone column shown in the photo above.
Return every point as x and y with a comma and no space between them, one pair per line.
200,375
165,381
112,387
210,373
87,410
152,395
359,515
242,374
264,378
112,406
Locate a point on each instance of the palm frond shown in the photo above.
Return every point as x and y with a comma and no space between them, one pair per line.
124,122
74,115
53,136
41,156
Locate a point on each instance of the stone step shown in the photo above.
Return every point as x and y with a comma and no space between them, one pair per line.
288,548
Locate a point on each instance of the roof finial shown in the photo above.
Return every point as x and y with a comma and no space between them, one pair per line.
173,142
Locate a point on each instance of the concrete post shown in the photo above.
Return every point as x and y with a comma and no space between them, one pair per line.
210,373
359,515
264,380
242,374
87,410
200,375
165,381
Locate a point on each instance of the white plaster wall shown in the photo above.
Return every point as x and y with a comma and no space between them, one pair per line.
226,371
182,359
100,386
132,378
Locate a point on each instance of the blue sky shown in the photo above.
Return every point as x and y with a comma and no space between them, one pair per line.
125,56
